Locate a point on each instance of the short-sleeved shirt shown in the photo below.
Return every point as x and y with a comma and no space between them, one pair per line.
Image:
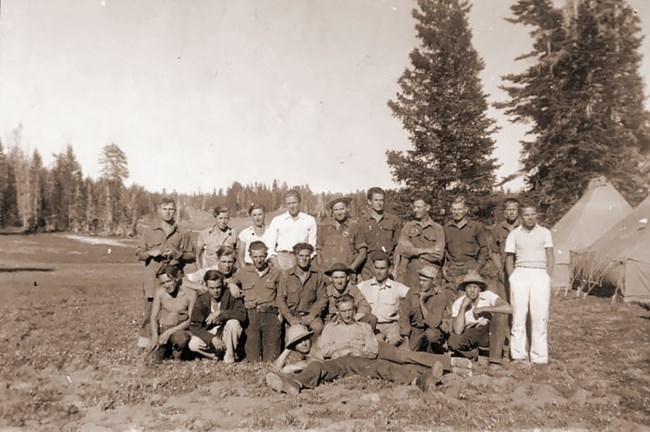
259,289
485,299
466,242
529,247
384,299
210,240
339,243
246,237
500,234
286,231
382,235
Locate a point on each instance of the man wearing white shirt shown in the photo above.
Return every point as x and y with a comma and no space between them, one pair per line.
480,318
529,263
289,229
385,297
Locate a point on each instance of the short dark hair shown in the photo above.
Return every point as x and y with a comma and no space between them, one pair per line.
375,191
345,298
213,275
225,251
256,206
171,271
292,192
459,199
528,204
301,247
422,198
511,200
220,209
258,245
167,200
380,256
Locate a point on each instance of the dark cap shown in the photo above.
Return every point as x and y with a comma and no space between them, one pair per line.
338,267
343,200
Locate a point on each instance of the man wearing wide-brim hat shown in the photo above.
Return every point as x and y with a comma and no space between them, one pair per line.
340,239
341,284
480,319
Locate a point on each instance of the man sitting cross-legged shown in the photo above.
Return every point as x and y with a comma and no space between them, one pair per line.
352,349
480,318
170,314
216,320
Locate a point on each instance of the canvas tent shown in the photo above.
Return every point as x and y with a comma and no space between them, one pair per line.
599,209
621,257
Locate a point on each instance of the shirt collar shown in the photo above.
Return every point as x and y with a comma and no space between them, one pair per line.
463,223
505,225
215,229
286,215
387,283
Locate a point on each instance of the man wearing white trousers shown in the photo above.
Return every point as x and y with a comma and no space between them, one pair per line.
529,263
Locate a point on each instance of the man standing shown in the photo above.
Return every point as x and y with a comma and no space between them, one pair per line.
163,243
385,296
302,297
467,247
480,319
289,229
499,235
341,240
422,242
529,263
170,315
341,285
259,283
216,321
251,234
422,313
380,229
211,239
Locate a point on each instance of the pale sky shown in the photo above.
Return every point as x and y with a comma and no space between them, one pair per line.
202,93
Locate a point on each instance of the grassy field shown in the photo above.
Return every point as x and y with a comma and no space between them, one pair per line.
69,320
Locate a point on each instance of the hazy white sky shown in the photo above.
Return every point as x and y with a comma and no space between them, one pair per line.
199,94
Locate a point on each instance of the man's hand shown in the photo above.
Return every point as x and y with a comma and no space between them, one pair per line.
307,319
218,343
424,296
292,320
405,344
164,337
466,303
153,344
214,318
479,312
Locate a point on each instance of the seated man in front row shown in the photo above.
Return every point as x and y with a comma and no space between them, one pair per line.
216,320
339,273
480,318
170,314
422,314
385,296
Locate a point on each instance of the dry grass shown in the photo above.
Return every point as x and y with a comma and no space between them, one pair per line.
69,320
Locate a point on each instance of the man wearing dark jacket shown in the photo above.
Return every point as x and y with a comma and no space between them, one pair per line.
216,320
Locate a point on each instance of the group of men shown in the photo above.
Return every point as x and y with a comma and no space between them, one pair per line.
415,289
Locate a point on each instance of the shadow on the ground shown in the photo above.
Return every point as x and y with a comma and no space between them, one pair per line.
25,269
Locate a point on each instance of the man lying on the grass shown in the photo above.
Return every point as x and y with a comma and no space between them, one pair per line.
170,315
216,320
348,351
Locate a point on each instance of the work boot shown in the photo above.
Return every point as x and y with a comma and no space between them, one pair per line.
282,384
428,380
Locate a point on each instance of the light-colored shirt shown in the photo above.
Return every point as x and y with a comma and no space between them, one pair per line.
286,231
246,237
485,299
210,240
384,299
337,336
529,247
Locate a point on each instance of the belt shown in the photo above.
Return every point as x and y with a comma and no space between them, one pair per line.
530,267
265,309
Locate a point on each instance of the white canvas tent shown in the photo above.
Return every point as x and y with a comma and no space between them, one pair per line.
620,258
598,210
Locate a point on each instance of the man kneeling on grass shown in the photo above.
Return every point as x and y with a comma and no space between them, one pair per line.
216,320
350,348
170,315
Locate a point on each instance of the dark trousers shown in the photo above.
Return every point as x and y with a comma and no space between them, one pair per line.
493,335
263,335
175,346
427,340
403,356
318,372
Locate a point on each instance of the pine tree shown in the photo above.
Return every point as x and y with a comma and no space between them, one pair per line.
114,169
443,108
37,198
583,98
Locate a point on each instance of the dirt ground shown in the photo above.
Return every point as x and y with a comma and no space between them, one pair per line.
69,319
